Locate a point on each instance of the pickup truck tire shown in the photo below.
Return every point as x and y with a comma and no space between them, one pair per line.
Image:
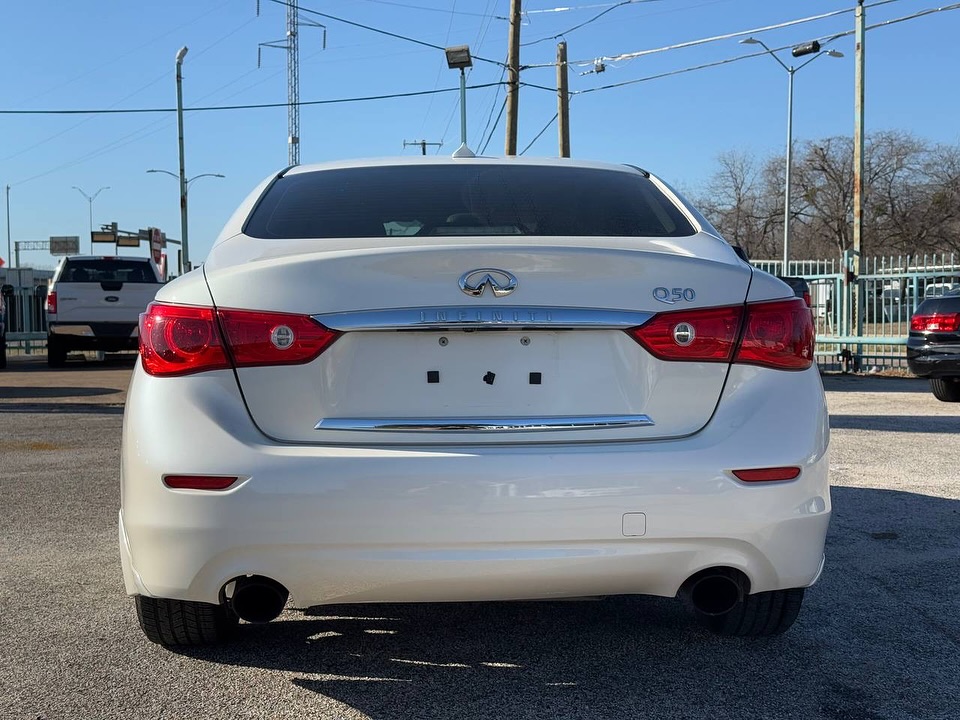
183,622
56,352
3,352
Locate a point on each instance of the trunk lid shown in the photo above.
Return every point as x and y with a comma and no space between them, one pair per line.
422,361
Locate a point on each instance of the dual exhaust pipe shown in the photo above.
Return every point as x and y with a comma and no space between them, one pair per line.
711,592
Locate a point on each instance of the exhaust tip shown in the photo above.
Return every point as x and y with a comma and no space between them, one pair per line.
715,591
257,599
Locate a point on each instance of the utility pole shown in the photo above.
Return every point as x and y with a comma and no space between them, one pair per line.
9,247
181,53
513,78
292,45
858,138
563,100
423,145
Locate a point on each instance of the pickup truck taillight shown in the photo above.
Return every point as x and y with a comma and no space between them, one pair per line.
186,339
52,302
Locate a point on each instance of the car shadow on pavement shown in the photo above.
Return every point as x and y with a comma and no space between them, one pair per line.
877,638
55,408
897,423
30,392
836,382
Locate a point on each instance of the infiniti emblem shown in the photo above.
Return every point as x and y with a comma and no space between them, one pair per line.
500,282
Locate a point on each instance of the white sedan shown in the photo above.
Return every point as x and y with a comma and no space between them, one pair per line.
460,379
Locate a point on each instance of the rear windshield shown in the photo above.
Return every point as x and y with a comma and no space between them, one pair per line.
107,270
465,200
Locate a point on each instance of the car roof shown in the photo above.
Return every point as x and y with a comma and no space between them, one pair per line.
415,160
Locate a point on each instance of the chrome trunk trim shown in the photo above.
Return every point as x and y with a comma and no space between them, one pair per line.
485,424
483,317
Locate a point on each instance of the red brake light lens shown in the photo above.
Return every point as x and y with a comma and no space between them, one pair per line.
180,340
775,334
198,482
778,335
266,338
935,323
185,339
52,302
760,475
705,335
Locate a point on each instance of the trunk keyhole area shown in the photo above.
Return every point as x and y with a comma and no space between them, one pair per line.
489,377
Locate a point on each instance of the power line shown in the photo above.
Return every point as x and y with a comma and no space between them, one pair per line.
545,128
396,36
823,40
431,9
503,106
715,38
586,22
333,101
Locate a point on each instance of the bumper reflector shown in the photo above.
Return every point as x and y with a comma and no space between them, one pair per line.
767,474
198,482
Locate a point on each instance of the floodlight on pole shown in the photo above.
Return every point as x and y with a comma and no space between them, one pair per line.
810,48
458,58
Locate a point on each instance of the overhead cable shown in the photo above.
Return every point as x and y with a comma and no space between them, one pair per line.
586,22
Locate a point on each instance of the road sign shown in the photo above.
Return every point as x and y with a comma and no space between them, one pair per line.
156,243
103,237
64,244
128,241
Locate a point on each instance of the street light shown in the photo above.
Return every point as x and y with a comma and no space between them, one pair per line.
458,58
809,48
90,199
184,190
185,248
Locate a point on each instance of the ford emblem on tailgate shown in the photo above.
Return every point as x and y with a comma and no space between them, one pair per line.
112,298
500,282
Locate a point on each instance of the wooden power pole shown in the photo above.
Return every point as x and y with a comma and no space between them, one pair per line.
513,78
563,100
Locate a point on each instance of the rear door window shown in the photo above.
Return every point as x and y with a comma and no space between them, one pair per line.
101,270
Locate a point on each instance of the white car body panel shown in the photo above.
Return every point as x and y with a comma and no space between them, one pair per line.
341,524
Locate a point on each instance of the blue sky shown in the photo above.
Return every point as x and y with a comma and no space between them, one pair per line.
119,54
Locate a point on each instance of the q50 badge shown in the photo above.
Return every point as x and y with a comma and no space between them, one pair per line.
671,296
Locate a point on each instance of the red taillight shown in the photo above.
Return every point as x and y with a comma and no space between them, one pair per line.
807,299
265,338
185,339
52,302
759,475
706,335
775,334
935,323
180,340
778,335
199,482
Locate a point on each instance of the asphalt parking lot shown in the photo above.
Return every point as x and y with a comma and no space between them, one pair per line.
878,637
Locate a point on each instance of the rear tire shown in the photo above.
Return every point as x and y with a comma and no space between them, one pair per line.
3,352
766,613
183,622
946,389
56,352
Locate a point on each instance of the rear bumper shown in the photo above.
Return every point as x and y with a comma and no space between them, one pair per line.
934,361
337,524
109,337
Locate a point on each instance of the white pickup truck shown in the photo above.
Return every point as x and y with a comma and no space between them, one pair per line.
94,303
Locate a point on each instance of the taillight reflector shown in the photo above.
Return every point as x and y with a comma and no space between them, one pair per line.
776,334
199,482
266,338
936,322
52,302
185,339
758,475
706,335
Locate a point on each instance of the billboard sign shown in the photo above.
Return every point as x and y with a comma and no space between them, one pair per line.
64,244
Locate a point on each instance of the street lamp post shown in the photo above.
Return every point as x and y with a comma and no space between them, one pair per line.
184,191
458,58
185,248
90,199
810,48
